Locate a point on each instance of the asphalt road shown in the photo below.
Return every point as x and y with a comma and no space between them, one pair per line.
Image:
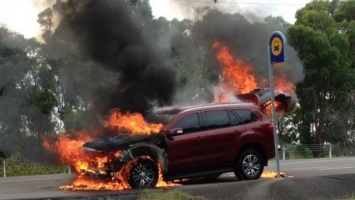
306,179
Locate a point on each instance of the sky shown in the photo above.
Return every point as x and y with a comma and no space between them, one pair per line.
21,15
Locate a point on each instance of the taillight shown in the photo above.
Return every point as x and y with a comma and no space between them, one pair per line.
271,128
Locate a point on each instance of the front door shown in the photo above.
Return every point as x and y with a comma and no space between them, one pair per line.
186,150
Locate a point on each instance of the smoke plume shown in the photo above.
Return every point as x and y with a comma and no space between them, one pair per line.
120,66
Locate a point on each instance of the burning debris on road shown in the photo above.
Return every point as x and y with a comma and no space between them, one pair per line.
273,174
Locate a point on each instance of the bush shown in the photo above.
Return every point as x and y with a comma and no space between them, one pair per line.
298,152
17,165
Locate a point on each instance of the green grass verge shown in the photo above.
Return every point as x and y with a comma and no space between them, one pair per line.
168,195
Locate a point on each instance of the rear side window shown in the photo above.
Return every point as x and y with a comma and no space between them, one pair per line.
246,116
189,123
234,120
216,119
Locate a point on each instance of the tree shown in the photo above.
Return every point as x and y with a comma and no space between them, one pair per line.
27,97
325,94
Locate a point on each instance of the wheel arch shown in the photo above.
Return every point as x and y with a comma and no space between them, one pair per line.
258,147
145,149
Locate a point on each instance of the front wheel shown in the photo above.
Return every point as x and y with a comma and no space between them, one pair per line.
248,165
142,173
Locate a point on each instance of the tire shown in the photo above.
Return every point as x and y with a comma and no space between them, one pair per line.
249,165
142,173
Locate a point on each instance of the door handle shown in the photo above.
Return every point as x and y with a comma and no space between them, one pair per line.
198,139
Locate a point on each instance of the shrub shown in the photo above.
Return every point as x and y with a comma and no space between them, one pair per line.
17,165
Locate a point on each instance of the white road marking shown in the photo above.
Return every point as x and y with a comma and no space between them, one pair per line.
335,168
306,168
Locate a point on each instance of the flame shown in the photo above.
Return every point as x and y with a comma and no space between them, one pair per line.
68,148
239,77
237,74
117,181
278,108
84,183
133,123
272,174
269,174
281,83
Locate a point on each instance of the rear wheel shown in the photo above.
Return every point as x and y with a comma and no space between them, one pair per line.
248,165
142,173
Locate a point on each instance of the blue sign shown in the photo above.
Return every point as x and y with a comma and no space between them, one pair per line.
276,46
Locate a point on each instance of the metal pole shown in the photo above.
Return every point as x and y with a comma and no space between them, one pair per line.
4,167
274,120
330,150
284,152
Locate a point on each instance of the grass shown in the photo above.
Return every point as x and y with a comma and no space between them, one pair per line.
169,195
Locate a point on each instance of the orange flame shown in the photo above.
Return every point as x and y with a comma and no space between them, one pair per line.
117,182
272,174
269,174
68,148
237,74
133,123
239,77
84,183
283,84
278,108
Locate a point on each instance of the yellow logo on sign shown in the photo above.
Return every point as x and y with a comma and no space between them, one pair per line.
276,46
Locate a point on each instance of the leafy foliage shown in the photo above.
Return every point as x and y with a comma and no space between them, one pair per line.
325,94
17,165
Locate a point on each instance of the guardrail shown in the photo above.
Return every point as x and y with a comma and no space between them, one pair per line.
296,151
288,151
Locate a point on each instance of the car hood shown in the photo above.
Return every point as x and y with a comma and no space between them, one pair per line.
118,142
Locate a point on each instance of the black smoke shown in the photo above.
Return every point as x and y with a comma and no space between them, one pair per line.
120,66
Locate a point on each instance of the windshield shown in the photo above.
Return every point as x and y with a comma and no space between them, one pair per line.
159,118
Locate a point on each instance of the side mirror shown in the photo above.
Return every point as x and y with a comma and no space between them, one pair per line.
174,131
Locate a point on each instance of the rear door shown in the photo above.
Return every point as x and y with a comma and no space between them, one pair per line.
187,150
223,129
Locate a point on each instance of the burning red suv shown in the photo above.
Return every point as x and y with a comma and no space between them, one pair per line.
196,141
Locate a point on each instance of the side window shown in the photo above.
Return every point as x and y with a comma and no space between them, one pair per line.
189,123
234,119
216,119
246,116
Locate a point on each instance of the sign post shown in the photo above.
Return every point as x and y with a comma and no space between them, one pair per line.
276,56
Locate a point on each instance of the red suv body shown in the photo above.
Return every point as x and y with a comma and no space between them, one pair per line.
197,141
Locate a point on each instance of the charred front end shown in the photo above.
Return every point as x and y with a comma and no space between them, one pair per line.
108,156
